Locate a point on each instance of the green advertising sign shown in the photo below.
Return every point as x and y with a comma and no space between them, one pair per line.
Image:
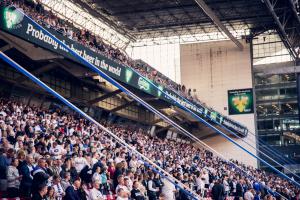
143,84
240,101
12,17
15,23
159,92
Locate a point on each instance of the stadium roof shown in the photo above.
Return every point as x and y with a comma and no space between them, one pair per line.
149,19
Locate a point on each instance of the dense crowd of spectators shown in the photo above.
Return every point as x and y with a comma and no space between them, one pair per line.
47,18
54,155
49,154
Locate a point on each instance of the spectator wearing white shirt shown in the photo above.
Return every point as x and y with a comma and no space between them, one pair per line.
121,185
56,150
200,183
96,176
205,175
133,164
13,179
59,190
80,162
94,193
121,194
66,181
95,158
168,190
226,186
152,188
119,157
249,195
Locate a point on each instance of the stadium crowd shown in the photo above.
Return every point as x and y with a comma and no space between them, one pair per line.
54,155
49,154
36,11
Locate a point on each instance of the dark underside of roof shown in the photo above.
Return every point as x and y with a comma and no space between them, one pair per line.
141,19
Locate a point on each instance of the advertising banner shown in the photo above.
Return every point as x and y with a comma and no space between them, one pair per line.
12,21
240,101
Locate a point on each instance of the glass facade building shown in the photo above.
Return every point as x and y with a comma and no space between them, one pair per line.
276,97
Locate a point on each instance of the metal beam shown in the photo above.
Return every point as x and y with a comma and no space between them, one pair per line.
160,119
129,103
37,72
151,99
209,12
294,10
105,96
167,127
122,106
6,47
208,136
283,34
104,19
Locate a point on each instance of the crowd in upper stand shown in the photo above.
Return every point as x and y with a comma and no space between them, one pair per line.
50,154
49,19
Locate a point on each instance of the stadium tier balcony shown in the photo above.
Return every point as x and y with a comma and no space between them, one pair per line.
95,43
